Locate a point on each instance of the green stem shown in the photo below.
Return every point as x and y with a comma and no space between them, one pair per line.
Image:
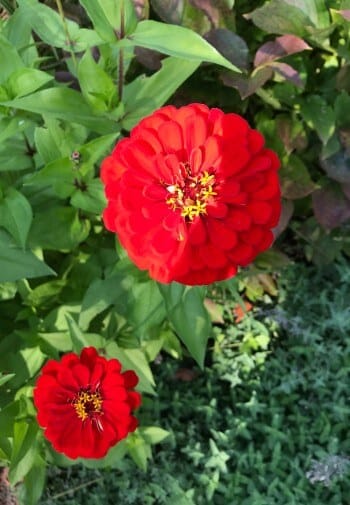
69,40
121,54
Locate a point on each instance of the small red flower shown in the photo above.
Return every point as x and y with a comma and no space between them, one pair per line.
85,403
192,194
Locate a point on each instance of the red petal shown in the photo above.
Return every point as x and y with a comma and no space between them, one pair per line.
243,254
260,212
256,141
197,233
217,209
239,220
195,132
170,135
220,235
130,379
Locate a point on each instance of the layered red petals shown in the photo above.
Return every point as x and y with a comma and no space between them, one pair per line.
192,194
85,403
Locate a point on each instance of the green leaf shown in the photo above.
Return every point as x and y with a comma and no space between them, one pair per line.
24,450
34,482
282,16
7,416
66,104
153,434
177,41
92,199
48,25
133,359
190,319
295,179
106,17
10,60
96,85
5,377
101,294
19,159
319,116
100,20
139,450
146,94
78,338
9,127
25,81
16,215
59,229
16,264
58,175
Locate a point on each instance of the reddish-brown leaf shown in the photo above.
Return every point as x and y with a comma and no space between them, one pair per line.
247,86
288,72
239,312
278,48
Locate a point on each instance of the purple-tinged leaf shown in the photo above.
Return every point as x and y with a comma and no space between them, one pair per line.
149,58
277,16
337,167
278,48
292,133
345,13
169,11
295,179
210,9
230,45
330,206
346,190
288,72
286,216
247,86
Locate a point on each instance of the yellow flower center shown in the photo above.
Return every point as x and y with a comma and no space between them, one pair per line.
192,195
87,404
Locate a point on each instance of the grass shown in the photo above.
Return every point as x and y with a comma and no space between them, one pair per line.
267,423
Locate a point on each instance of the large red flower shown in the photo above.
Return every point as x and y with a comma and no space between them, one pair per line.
85,403
192,194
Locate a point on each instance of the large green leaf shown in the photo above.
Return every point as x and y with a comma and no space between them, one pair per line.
66,104
58,228
101,294
25,81
189,317
49,26
283,16
16,215
133,359
319,116
17,264
106,17
177,41
146,94
24,450
9,58
96,85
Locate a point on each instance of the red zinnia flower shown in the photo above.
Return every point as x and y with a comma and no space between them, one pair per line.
192,194
85,403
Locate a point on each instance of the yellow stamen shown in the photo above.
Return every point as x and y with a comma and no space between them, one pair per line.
192,195
86,404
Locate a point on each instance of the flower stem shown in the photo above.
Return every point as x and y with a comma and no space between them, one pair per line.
121,53
66,31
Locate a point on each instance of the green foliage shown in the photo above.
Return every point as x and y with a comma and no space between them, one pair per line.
266,422
71,83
